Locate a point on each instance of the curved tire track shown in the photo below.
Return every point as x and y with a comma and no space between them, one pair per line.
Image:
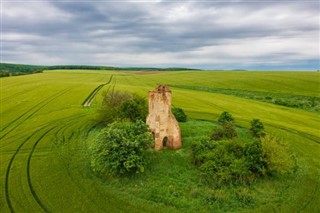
8,200
28,170
9,168
44,102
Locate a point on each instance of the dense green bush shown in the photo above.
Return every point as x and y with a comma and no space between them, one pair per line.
255,158
134,108
121,148
225,158
227,161
277,156
226,131
225,117
121,106
179,114
257,128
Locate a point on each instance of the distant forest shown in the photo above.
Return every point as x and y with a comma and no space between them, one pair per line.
22,69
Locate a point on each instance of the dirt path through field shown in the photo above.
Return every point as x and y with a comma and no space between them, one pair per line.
87,102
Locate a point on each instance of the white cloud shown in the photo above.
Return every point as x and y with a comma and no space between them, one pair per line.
39,11
145,33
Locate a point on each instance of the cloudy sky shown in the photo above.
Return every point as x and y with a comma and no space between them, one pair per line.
216,34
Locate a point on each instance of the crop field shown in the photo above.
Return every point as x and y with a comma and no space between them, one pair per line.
45,129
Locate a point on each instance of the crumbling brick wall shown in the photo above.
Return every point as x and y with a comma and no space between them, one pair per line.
161,121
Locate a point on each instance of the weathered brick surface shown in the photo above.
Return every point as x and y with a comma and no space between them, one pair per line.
161,121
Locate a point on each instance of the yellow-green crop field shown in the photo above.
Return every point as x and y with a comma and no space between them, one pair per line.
44,130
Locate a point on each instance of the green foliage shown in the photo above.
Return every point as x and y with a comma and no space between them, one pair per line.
227,161
225,117
226,131
134,108
277,156
257,128
121,148
255,157
179,114
120,106
19,69
4,73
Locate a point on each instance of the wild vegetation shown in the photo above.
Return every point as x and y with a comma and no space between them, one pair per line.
179,114
46,134
225,158
121,106
121,149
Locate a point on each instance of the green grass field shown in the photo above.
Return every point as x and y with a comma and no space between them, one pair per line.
45,131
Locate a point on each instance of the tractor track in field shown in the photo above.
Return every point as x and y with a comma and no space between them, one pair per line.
89,99
42,104
66,163
9,168
34,194
44,208
312,138
14,96
61,131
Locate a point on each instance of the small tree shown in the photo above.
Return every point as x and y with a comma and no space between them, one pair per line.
225,117
257,128
277,155
121,148
226,131
134,109
119,106
179,114
255,157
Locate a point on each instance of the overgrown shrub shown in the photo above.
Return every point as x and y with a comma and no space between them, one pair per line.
277,156
199,148
255,158
120,106
257,128
225,117
179,114
226,131
121,148
134,108
226,159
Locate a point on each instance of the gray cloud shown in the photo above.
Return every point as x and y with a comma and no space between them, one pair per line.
216,34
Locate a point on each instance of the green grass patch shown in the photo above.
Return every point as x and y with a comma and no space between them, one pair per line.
172,180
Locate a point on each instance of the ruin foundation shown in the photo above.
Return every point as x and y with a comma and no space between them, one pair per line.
164,126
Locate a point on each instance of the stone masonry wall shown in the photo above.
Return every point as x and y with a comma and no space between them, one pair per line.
161,121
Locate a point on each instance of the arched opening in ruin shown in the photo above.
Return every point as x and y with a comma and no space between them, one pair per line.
165,141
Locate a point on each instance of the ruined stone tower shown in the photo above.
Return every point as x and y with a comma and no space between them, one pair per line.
161,121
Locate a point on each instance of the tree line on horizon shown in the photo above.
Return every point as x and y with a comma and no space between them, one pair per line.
7,69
